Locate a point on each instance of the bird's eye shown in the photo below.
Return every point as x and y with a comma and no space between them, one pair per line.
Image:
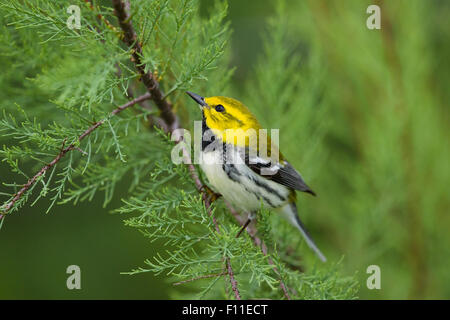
220,108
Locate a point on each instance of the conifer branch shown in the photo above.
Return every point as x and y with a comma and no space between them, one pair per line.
101,17
251,230
198,183
234,284
177,54
200,188
168,122
71,147
152,85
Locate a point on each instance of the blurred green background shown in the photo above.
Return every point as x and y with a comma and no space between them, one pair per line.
383,195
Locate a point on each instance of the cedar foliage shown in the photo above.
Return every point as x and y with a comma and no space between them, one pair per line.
335,109
74,78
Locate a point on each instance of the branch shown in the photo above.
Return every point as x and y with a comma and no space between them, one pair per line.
71,147
130,38
101,17
200,189
168,117
152,85
171,120
251,230
152,120
233,280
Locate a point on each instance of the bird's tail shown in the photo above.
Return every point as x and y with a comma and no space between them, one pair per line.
289,211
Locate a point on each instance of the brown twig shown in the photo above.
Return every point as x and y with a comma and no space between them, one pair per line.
200,187
71,147
152,85
234,285
251,230
151,119
167,115
101,17
130,38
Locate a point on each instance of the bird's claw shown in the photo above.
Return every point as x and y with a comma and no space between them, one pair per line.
210,195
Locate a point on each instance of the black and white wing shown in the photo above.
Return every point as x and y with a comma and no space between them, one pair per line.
282,172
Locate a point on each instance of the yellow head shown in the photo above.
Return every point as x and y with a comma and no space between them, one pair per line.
222,113
232,121
227,116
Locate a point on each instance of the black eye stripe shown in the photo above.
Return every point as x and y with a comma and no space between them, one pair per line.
220,108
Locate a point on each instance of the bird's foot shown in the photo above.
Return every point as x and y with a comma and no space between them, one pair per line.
251,217
210,195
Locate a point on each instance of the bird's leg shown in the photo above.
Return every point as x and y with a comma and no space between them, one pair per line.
210,194
251,216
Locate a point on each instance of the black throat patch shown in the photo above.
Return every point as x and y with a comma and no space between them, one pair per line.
206,142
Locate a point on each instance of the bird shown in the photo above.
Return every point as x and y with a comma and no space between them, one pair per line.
238,171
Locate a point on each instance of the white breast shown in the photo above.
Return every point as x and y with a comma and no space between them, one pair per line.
239,185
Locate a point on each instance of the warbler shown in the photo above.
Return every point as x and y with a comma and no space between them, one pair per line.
239,171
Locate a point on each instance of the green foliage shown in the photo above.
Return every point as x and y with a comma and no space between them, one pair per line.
361,115
370,114
90,74
177,219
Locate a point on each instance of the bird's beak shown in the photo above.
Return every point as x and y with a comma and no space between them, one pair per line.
199,99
